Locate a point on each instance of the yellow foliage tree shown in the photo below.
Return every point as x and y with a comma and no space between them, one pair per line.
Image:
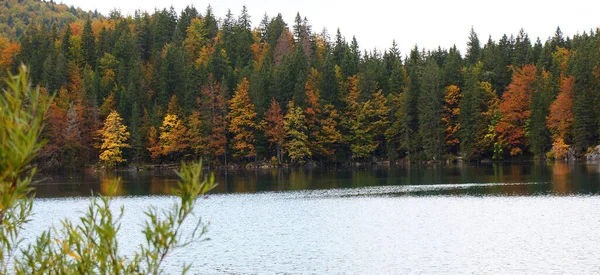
296,137
242,123
452,98
114,136
172,138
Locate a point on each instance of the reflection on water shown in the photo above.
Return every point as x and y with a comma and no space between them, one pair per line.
432,219
551,178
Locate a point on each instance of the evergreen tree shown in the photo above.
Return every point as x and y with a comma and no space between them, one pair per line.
431,127
409,123
539,135
88,44
473,49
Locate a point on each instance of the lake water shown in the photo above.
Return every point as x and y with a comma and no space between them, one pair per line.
496,219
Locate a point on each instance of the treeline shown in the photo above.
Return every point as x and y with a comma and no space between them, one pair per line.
191,86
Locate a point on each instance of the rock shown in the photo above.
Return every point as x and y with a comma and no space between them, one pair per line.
594,155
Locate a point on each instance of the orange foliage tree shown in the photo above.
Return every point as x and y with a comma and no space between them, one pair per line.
215,124
274,129
8,52
560,119
153,145
515,109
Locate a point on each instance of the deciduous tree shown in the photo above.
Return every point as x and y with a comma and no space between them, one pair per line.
242,123
274,128
296,143
515,110
114,138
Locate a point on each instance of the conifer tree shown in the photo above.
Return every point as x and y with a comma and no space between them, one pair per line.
296,143
430,112
274,128
473,49
242,123
114,138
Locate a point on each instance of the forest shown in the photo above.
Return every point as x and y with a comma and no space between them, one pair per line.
171,86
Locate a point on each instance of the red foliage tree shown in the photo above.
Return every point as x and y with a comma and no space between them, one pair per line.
515,109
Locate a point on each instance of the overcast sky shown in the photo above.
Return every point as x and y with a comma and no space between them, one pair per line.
375,23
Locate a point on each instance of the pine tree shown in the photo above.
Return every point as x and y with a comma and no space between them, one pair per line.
538,133
431,126
88,44
473,49
477,115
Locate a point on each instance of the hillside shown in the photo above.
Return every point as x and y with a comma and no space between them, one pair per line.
15,15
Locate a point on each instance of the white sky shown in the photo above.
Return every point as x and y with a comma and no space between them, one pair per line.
375,23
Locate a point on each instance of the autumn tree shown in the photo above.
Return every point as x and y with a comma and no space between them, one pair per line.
359,133
376,115
274,128
515,110
242,123
560,118
55,120
478,116
153,145
487,142
323,135
196,37
73,147
296,141
8,54
212,105
114,138
172,139
194,134
450,113
330,137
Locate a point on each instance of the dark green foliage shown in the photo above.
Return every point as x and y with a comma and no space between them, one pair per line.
470,113
523,53
143,60
431,127
473,48
452,68
89,44
538,133
410,123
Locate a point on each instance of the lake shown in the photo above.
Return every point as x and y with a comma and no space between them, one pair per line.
442,219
